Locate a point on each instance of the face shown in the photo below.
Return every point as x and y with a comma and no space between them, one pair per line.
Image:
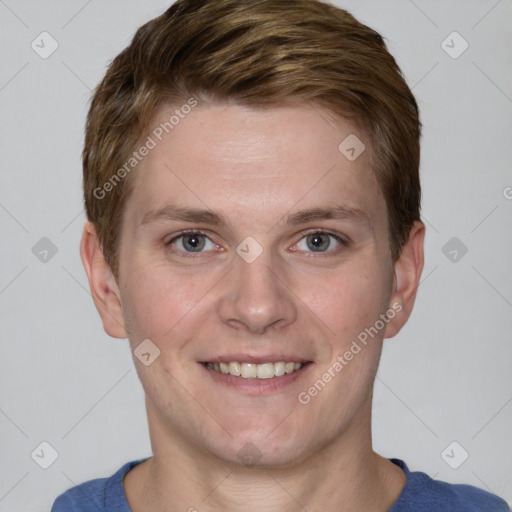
251,244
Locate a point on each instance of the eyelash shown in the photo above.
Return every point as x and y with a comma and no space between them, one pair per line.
310,254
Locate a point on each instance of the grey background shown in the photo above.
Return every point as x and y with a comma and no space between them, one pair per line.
447,376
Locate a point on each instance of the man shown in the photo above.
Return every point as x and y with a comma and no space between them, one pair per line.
253,200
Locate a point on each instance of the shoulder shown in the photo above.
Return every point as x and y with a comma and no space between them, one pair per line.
423,493
98,495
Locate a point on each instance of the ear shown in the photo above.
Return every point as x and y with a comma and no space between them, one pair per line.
406,279
102,283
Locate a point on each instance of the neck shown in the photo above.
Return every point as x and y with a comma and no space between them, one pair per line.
344,475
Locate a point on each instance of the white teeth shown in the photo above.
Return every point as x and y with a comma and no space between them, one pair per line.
279,369
255,371
265,371
249,370
235,369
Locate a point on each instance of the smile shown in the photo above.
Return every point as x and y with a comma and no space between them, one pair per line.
255,371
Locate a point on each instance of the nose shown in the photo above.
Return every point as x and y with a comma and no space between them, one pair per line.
256,296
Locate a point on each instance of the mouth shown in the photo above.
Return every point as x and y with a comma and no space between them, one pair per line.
256,374
262,371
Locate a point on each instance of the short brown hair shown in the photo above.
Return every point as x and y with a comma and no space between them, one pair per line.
257,53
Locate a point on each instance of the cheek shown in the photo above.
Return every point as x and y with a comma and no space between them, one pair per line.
155,300
351,308
348,300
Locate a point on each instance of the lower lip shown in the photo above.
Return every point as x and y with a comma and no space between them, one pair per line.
257,386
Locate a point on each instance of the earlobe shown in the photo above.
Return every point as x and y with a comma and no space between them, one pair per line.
407,273
102,283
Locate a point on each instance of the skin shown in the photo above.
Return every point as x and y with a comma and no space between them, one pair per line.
255,168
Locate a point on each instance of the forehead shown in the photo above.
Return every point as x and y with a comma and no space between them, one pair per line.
268,161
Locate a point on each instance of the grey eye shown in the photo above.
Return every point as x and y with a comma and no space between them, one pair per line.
318,242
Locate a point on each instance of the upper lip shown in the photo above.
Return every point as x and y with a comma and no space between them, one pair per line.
256,358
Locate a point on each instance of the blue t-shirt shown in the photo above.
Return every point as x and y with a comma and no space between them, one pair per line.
420,494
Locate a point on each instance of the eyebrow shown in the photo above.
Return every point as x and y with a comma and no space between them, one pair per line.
197,215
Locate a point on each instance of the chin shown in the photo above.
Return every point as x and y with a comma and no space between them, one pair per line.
254,449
